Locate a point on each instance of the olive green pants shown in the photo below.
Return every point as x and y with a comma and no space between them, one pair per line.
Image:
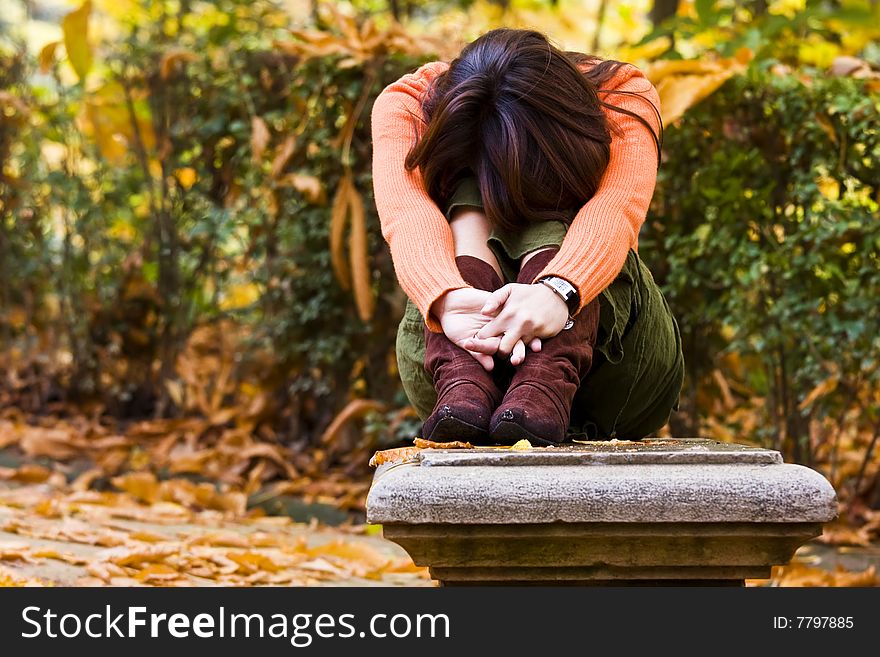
638,366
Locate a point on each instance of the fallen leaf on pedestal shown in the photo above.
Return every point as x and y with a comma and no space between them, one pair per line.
398,455
421,443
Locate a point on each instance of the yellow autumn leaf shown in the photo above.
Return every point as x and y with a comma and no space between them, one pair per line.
682,84
828,187
105,117
122,230
75,27
186,176
647,51
239,295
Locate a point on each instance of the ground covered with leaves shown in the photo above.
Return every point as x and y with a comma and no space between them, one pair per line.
175,533
138,530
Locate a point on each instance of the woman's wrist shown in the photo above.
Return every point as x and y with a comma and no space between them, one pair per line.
564,290
438,308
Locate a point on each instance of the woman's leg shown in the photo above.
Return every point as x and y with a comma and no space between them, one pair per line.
466,393
470,233
537,404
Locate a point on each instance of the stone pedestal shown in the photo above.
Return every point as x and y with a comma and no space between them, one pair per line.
613,513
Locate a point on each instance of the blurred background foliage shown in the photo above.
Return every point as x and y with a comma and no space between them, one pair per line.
193,277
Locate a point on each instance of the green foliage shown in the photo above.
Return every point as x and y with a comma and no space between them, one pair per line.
766,237
806,31
160,211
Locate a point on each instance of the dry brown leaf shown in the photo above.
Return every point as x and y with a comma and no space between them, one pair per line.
283,155
9,579
800,575
137,556
27,474
365,556
354,409
85,480
47,56
157,572
146,537
60,443
826,387
421,443
358,251
845,65
724,387
338,222
15,552
66,557
309,186
221,539
259,138
398,455
251,562
140,485
841,534
172,58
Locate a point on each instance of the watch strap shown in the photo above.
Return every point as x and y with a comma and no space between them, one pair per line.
565,290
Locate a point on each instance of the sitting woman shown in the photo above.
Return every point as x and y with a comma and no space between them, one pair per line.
511,186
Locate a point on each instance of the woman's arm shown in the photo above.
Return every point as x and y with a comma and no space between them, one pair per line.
607,226
416,230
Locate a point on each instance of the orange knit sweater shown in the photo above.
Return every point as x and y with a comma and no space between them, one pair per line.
602,232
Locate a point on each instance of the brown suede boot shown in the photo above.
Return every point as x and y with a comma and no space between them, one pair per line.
537,405
466,393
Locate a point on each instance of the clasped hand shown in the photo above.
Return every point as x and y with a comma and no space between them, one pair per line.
501,322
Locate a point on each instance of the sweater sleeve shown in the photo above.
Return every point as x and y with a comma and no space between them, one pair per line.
607,226
416,230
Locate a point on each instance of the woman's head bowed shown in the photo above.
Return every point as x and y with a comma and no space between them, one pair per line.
521,115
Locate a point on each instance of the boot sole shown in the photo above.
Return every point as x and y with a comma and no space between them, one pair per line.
511,432
453,428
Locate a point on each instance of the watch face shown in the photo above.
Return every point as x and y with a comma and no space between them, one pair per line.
565,289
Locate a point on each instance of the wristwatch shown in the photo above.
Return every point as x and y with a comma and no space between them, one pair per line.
566,291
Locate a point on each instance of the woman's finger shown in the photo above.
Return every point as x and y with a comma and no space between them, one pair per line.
496,327
508,341
519,353
487,362
496,301
482,345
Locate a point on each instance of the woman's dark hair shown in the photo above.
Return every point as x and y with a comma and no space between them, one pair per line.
519,114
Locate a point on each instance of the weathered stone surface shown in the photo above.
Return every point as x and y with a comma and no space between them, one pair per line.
664,510
621,452
492,492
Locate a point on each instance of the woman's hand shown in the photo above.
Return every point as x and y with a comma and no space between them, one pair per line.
462,313
522,314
